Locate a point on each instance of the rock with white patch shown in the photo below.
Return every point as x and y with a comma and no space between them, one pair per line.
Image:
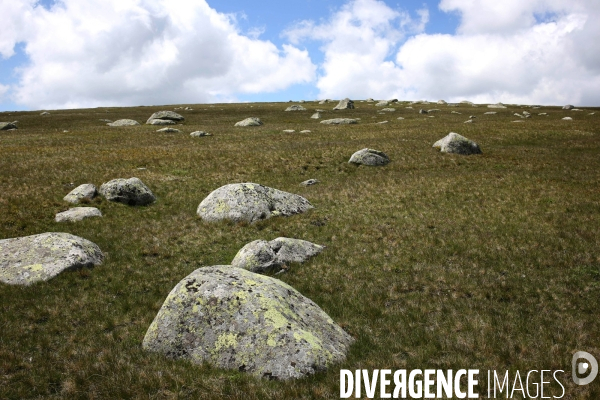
235,319
169,130
85,192
340,121
5,126
250,202
200,134
262,256
316,115
567,119
369,157
252,121
344,104
382,103
29,259
77,214
165,116
160,122
123,122
309,182
457,144
130,191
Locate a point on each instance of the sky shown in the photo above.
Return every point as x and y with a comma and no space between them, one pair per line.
57,54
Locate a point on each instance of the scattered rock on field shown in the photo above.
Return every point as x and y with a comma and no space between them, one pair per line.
441,102
86,191
388,110
239,320
30,259
164,115
199,134
316,115
344,104
289,130
568,107
382,103
123,122
45,113
457,144
250,202
305,131
369,157
261,256
339,121
490,113
77,214
309,182
567,119
130,191
252,121
4,126
169,130
295,108
160,122
499,105
421,111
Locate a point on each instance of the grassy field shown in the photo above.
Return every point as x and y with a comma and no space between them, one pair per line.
439,261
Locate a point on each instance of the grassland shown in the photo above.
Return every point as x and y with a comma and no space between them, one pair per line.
433,261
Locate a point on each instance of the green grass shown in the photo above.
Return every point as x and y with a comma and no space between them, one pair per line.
433,261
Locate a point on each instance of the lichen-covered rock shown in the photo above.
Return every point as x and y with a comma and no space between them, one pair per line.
164,115
4,126
77,214
316,115
261,256
130,191
250,202
369,157
344,104
160,122
200,134
295,108
169,130
236,319
457,144
29,259
252,121
123,122
339,121
86,191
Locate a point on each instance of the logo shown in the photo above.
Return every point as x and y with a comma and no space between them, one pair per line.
589,367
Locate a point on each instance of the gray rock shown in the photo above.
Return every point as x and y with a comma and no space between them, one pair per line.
168,115
400,118
457,144
309,182
239,320
77,214
199,134
123,122
454,112
4,126
262,256
370,100
250,202
499,105
105,120
469,121
369,157
130,191
289,130
441,102
490,113
339,121
344,104
316,115
421,111
252,121
30,259
305,131
160,122
382,103
567,119
295,108
388,110
568,107
392,101
169,130
382,122
86,191
45,113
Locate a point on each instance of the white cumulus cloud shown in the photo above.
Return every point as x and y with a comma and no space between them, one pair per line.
132,52
538,51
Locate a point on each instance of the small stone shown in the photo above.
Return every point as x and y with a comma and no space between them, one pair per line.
305,131
498,105
160,122
383,122
123,122
490,113
567,119
252,121
77,214
568,107
295,108
388,110
400,118
86,191
200,134
309,182
289,130
169,130
339,121
45,113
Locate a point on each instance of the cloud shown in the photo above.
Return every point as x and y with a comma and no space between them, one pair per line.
539,51
132,52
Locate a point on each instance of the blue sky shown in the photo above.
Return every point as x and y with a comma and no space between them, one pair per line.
69,54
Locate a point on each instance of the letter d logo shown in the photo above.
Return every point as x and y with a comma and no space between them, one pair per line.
579,368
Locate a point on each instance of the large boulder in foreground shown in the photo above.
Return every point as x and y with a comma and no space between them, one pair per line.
369,157
130,191
236,319
4,126
457,144
165,116
250,202
261,256
344,104
85,192
30,259
252,121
